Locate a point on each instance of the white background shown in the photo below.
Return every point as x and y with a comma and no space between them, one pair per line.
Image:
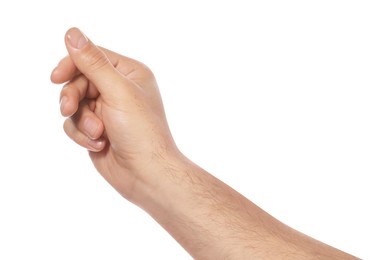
272,97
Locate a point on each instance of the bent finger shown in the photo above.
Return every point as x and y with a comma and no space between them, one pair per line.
87,121
71,94
74,92
64,71
80,138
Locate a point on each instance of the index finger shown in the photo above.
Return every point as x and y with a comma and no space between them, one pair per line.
64,71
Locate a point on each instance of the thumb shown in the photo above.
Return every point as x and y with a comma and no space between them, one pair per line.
92,62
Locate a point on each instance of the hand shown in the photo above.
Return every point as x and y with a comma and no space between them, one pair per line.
113,109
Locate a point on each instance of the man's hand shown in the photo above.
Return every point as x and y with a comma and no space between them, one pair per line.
114,109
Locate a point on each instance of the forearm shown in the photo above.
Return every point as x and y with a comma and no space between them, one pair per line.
213,221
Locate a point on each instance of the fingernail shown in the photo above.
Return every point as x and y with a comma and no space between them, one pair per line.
96,145
76,38
91,127
63,103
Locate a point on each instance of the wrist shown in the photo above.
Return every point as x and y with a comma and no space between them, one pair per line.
186,201
157,178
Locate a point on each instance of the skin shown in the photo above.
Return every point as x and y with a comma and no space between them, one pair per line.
113,108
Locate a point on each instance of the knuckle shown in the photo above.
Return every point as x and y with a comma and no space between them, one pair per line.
145,70
72,132
76,88
67,90
67,126
95,59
